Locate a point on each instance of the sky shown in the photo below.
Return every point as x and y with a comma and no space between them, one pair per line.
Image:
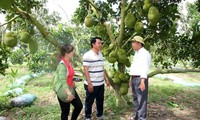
65,8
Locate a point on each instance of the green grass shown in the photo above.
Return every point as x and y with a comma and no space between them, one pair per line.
45,107
162,90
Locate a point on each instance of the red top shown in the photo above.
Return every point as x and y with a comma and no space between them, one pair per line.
69,78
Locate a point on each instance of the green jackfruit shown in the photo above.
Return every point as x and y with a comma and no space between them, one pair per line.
122,59
121,55
112,59
89,22
25,36
139,27
106,51
10,39
147,5
125,84
116,79
123,90
101,30
33,46
126,77
113,53
153,16
127,63
130,20
121,52
111,46
111,73
122,77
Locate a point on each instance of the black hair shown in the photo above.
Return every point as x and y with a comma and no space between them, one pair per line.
66,49
93,40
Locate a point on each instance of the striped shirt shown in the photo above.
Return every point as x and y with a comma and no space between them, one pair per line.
96,66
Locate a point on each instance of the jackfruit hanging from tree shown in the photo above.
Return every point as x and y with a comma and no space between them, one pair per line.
123,90
33,46
25,36
116,79
112,58
130,20
89,22
10,39
147,5
153,16
139,27
101,30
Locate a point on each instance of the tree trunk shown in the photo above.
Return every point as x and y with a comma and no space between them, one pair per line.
167,71
120,101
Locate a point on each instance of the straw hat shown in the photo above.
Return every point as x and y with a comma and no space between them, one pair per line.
138,39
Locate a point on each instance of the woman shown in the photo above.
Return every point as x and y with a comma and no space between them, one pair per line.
63,85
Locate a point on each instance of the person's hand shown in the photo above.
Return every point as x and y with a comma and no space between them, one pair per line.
107,83
70,97
142,86
90,88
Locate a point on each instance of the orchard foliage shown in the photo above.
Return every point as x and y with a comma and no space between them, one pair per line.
155,20
117,21
27,25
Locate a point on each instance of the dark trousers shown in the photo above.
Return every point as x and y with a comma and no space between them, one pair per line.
97,94
140,99
65,108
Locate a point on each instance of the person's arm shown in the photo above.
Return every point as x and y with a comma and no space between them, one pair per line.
106,77
86,73
144,69
87,76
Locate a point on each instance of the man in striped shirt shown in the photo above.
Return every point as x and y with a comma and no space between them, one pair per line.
95,75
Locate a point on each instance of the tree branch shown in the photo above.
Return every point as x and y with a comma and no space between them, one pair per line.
94,8
129,50
129,40
39,26
129,5
109,32
122,25
167,71
92,4
9,21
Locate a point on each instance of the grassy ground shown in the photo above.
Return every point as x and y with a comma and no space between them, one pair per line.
167,101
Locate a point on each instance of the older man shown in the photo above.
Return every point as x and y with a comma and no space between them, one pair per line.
139,78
